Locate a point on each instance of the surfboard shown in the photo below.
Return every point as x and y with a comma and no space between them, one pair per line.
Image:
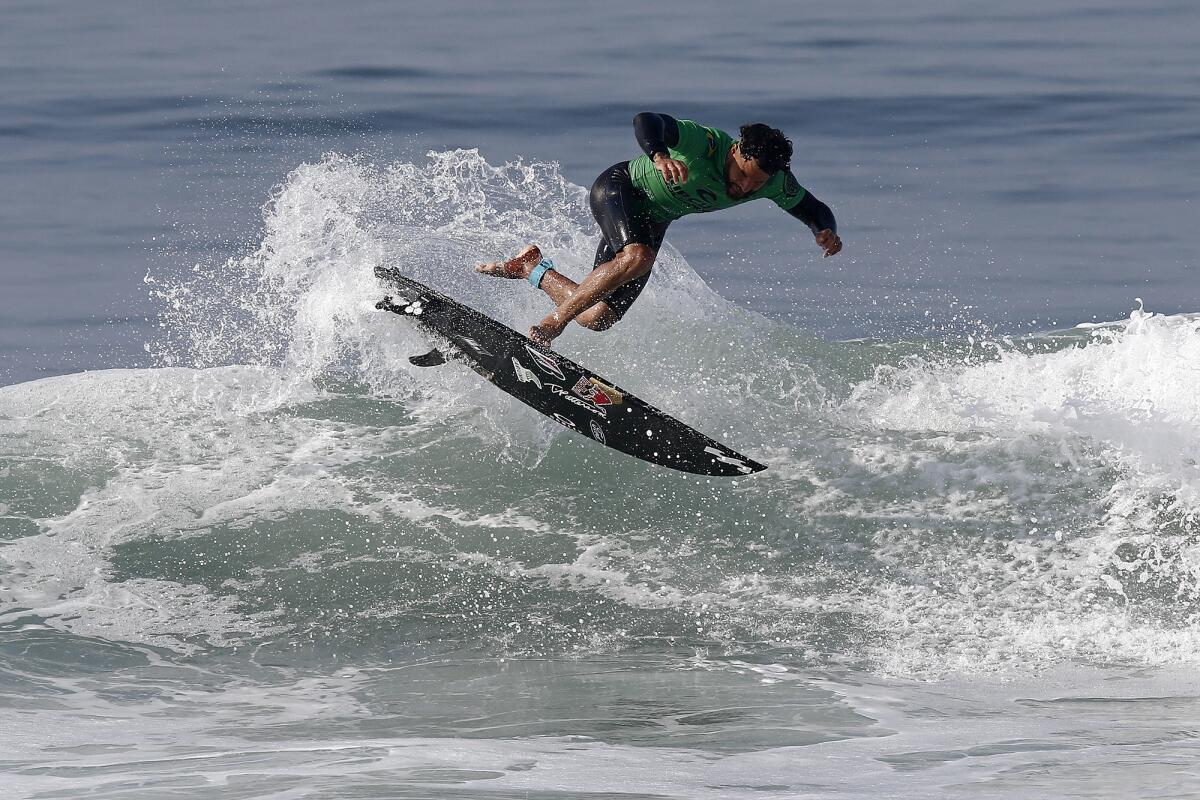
549,382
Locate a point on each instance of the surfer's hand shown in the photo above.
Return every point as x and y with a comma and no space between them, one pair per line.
672,171
546,331
830,242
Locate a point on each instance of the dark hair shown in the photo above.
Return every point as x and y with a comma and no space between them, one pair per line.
767,146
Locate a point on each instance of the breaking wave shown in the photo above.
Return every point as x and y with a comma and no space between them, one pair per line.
286,476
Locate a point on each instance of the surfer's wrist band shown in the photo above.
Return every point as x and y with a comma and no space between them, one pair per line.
539,272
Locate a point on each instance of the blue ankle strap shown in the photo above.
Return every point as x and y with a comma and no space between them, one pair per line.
539,272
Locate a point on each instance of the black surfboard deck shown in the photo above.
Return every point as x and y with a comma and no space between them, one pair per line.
571,395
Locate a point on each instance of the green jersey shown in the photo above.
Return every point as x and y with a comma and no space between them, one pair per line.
704,150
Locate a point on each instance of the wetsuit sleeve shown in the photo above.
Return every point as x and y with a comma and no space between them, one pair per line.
813,213
655,133
788,194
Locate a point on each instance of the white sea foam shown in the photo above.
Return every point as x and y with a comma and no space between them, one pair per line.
1063,515
906,740
177,451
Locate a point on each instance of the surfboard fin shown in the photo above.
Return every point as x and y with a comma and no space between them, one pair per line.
434,358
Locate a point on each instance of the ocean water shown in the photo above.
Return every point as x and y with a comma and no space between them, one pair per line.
247,551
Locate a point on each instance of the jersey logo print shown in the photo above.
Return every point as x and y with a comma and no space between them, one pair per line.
705,199
791,186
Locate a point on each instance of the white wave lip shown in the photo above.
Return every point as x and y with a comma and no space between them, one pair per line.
1131,390
1082,462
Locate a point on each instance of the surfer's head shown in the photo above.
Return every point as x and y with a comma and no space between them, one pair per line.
760,153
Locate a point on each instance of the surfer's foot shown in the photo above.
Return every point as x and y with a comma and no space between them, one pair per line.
518,267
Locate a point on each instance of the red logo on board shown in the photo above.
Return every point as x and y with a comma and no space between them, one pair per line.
596,392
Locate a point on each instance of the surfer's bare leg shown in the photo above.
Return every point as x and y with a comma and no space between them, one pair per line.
597,316
582,301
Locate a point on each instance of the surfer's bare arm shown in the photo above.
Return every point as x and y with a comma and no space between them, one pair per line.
632,262
656,134
820,220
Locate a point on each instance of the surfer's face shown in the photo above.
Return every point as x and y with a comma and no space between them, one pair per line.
742,175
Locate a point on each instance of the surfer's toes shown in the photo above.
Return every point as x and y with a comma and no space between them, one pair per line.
494,268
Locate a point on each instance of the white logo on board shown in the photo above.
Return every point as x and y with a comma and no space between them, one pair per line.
474,345
725,459
524,375
570,398
545,363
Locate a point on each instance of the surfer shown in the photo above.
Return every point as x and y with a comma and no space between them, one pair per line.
687,169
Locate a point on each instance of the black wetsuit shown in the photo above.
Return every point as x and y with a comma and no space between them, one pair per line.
634,206
619,210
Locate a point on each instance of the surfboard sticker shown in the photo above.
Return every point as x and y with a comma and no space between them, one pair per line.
474,345
614,395
596,392
735,461
525,375
571,395
546,363
577,401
